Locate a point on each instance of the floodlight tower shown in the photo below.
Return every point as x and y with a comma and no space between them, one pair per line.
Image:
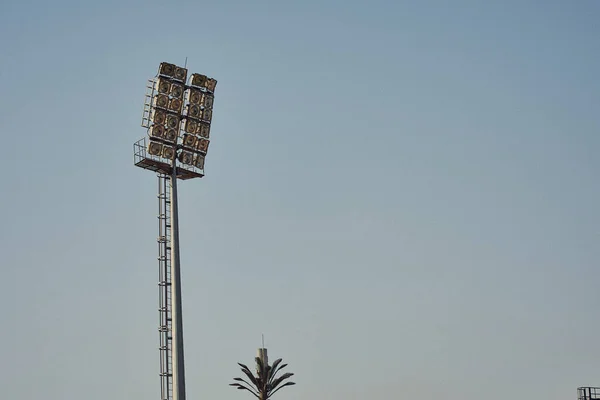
177,116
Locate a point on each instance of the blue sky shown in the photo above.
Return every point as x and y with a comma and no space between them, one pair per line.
402,196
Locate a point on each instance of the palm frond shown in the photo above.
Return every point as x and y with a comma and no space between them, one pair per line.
272,378
242,387
242,380
280,387
282,378
273,369
250,375
242,366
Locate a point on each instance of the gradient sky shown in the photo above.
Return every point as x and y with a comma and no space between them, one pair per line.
402,196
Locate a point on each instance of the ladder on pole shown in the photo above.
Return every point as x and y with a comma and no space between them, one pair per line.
164,284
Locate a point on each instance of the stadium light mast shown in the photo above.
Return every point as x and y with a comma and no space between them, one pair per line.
177,116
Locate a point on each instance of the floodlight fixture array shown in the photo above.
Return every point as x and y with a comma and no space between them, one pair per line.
178,119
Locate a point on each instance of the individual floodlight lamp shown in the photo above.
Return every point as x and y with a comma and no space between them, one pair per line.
172,121
176,91
180,74
175,105
168,152
159,117
194,111
191,126
203,130
207,100
195,96
163,86
211,85
155,148
157,132
166,69
161,101
186,157
171,135
199,161
198,80
189,140
207,114
202,145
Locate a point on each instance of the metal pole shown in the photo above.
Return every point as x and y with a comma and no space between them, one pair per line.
178,360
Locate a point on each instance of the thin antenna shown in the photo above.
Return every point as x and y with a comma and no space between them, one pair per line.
185,65
263,340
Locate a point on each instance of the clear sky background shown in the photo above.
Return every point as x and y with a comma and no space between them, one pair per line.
402,196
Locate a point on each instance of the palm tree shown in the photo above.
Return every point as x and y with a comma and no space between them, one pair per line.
266,383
